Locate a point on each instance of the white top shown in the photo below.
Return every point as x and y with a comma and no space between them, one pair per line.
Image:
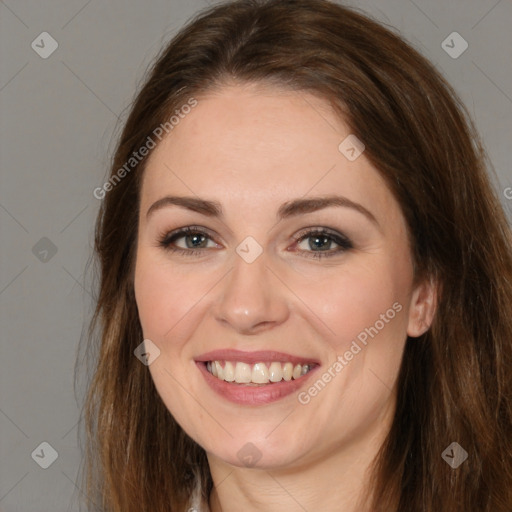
197,503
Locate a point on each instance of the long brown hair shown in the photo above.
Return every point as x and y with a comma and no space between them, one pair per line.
455,383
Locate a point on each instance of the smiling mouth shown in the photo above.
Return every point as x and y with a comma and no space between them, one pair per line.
259,374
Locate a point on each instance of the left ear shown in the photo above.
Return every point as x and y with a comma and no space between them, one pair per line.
422,308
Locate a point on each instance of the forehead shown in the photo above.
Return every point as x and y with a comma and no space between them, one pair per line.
259,145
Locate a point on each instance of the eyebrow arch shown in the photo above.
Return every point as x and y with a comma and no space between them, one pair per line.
286,210
308,205
208,208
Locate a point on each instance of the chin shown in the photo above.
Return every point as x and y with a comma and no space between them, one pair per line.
258,453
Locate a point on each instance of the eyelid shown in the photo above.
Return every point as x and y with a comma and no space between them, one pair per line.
185,230
342,241
312,230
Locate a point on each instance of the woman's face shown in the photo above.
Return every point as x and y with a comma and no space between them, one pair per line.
297,254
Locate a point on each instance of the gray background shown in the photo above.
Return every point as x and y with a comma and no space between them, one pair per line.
59,120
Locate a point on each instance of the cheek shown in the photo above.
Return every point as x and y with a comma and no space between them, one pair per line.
163,297
365,310
363,298
165,302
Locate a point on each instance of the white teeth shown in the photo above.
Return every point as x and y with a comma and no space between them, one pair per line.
229,372
243,373
275,372
259,373
220,370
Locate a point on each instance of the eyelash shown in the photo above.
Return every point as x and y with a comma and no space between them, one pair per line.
342,241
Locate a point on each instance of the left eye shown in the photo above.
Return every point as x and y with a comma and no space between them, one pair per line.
319,243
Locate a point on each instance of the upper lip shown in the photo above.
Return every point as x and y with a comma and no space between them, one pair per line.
253,357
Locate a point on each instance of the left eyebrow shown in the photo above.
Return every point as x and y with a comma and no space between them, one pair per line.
308,205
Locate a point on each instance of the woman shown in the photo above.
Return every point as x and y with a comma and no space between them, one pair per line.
306,280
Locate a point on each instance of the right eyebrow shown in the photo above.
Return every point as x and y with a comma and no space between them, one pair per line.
208,208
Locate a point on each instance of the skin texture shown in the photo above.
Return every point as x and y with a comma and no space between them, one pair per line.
253,148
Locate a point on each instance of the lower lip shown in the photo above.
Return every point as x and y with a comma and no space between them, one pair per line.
253,395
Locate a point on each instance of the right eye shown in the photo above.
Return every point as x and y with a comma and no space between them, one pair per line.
195,241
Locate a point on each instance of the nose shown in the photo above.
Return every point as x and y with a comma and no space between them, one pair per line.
252,299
